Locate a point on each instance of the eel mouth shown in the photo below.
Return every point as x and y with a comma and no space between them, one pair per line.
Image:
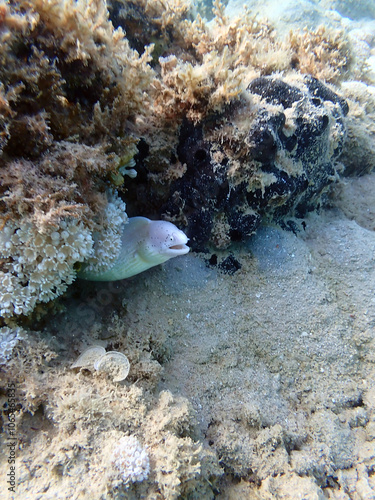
179,249
181,246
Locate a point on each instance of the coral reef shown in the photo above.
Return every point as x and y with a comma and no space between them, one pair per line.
270,391
217,127
89,419
63,139
175,97
131,460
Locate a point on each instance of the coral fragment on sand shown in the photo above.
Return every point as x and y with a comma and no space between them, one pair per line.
131,460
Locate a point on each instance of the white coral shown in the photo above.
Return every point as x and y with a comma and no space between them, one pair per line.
38,267
9,337
107,241
131,459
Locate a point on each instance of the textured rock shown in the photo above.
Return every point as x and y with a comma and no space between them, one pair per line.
272,157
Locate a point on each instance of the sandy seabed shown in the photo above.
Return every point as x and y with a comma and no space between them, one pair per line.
259,384
254,385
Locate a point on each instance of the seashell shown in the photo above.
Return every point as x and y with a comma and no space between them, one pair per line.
88,357
114,363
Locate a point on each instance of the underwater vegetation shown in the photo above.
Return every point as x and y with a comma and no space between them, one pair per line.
121,115
218,144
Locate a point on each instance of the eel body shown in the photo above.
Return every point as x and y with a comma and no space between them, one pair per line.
144,244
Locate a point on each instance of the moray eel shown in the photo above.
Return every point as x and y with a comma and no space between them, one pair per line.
144,244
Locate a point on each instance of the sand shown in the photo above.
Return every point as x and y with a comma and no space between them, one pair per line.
261,382
257,384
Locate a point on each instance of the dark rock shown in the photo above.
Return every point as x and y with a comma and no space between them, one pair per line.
229,265
212,261
324,93
276,91
272,157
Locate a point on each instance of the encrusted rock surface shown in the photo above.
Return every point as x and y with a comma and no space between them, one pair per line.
273,157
